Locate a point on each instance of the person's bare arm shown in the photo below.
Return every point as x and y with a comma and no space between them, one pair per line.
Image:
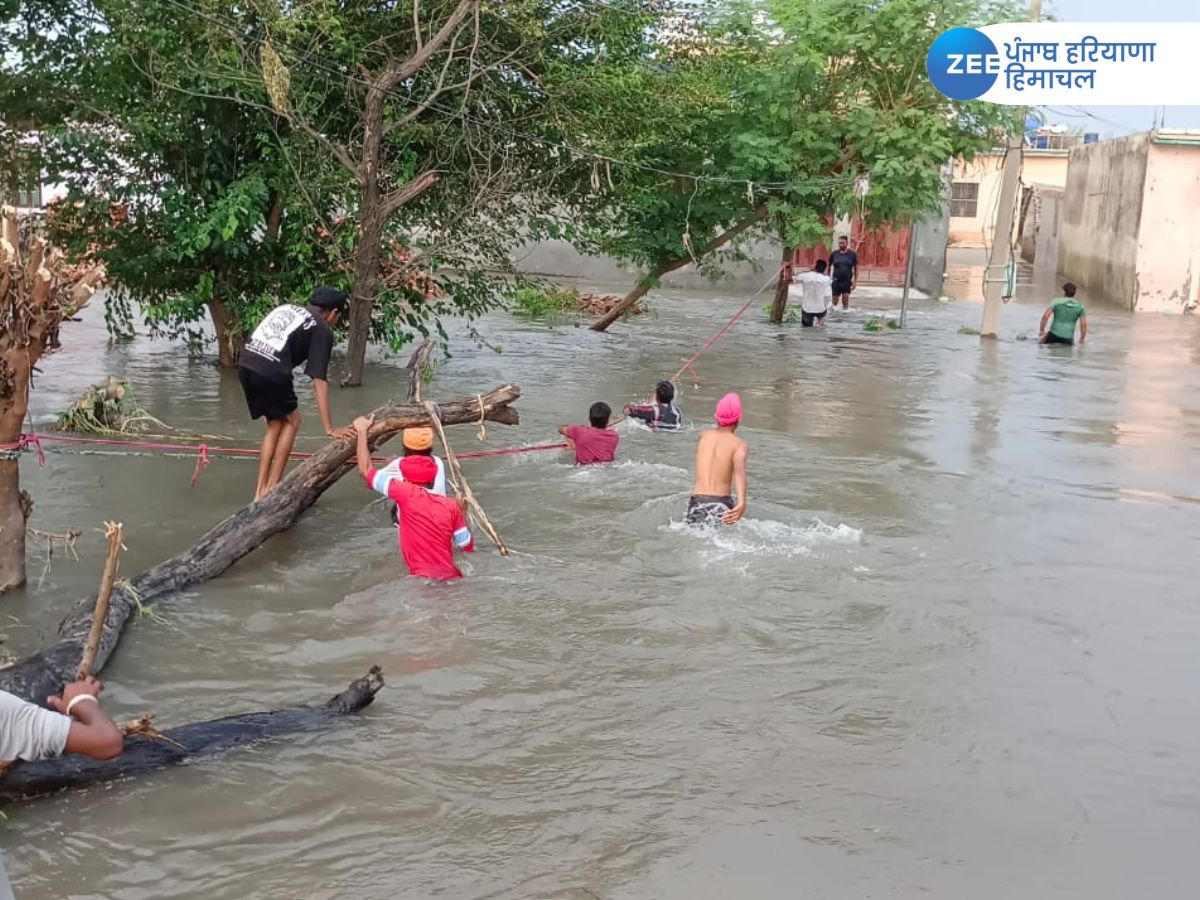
363,454
739,484
1082,328
92,731
1045,321
321,389
565,431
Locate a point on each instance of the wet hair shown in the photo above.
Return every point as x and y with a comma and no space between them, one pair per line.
1069,289
599,414
821,265
664,392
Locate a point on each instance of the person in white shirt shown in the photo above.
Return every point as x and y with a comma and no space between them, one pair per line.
74,724
417,442
816,295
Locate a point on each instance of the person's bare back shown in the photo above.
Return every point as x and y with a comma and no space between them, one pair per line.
714,462
720,469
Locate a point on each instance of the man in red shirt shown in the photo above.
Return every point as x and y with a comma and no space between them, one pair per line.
594,443
433,526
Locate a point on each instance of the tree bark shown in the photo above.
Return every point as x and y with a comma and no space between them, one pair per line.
230,336
647,282
44,673
416,369
779,305
15,504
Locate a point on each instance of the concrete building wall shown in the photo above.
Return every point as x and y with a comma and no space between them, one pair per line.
1039,167
929,263
1168,246
1102,214
560,261
1041,227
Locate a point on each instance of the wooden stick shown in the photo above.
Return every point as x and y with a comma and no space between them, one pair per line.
455,469
113,531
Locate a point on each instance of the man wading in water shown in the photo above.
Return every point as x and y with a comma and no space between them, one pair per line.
843,268
432,526
288,336
720,469
1061,315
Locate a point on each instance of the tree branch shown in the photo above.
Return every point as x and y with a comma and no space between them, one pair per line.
394,200
425,52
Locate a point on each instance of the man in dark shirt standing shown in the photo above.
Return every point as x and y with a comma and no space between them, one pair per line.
288,336
843,265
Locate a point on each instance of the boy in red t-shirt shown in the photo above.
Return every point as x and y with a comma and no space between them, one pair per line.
433,526
595,443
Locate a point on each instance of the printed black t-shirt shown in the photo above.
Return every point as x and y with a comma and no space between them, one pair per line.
288,336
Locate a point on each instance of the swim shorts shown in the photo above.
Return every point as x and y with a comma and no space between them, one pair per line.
1052,338
267,398
840,287
704,509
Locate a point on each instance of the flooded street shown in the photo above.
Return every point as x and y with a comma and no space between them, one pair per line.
952,650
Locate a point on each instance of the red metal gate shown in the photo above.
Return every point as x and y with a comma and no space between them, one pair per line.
882,253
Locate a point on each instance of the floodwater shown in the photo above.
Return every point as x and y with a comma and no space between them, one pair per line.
951,652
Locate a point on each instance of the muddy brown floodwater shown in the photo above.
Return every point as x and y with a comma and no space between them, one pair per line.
951,652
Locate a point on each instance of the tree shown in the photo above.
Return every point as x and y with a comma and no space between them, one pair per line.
448,116
806,97
39,290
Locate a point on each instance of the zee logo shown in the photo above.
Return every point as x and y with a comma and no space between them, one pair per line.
963,63
973,64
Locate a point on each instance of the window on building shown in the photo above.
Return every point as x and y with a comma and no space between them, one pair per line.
28,196
964,199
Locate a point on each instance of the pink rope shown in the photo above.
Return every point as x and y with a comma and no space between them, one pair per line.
34,441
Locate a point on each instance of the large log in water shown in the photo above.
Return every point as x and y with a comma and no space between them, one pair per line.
144,754
38,676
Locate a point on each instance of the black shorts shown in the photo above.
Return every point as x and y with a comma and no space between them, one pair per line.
266,397
808,319
1052,338
841,287
708,510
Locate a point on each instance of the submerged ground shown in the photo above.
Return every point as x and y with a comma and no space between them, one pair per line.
950,651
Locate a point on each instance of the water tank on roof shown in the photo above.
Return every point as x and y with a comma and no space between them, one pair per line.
1091,137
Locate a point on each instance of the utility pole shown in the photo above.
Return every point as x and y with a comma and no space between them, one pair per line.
995,276
908,271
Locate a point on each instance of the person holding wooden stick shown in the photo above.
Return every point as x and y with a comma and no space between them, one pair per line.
433,526
74,724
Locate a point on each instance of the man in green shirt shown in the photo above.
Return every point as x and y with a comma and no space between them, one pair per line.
1065,311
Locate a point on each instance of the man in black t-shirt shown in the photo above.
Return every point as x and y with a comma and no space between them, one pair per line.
843,269
288,336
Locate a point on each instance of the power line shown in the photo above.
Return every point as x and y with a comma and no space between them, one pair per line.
828,182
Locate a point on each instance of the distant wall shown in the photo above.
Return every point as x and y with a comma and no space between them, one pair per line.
560,261
1041,227
1102,213
1168,253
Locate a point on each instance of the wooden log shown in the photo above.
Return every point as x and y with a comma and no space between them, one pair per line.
38,676
146,753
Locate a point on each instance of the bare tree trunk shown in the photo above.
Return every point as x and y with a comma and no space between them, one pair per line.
664,268
370,237
230,336
15,504
36,677
779,306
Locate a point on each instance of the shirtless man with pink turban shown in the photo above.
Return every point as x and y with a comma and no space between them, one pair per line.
720,469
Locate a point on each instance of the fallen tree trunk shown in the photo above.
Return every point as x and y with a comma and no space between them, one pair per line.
146,754
38,676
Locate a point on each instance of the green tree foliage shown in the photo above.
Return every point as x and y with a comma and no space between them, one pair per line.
797,99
